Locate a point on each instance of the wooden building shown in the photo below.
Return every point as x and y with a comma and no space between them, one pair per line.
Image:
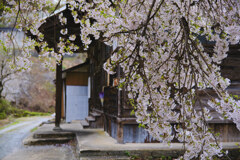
90,81
114,115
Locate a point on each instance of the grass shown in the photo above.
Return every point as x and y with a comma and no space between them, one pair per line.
8,111
8,120
25,113
137,157
11,124
34,129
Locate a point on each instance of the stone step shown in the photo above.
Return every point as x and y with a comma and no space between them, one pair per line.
95,114
90,119
76,121
84,123
44,141
52,134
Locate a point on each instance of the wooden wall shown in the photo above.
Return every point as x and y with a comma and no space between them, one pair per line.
99,77
77,78
230,67
228,132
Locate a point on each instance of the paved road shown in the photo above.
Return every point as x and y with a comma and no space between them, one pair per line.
11,147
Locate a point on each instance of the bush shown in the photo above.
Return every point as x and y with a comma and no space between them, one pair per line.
6,109
3,115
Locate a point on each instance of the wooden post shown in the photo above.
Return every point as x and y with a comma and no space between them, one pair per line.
119,91
58,96
119,132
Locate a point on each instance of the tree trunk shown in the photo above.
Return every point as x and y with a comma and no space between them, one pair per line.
1,89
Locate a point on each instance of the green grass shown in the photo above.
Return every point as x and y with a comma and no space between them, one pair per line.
11,124
24,113
6,110
34,129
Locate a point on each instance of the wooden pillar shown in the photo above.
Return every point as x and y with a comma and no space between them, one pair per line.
119,132
58,96
119,92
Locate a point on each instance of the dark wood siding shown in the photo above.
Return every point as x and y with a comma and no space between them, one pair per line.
77,78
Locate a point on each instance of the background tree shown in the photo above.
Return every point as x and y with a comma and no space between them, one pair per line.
7,72
21,55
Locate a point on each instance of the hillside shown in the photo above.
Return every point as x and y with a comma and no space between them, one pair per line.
34,90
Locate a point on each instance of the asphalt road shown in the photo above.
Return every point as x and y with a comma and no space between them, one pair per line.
11,147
